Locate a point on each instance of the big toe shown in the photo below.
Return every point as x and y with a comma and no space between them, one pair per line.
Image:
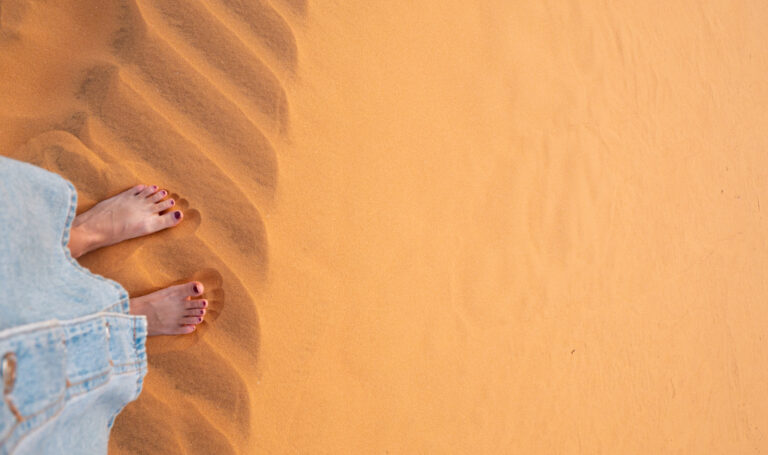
187,290
168,220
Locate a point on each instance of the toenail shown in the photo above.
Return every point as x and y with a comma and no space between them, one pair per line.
177,215
154,187
205,304
163,193
196,289
202,312
199,319
173,202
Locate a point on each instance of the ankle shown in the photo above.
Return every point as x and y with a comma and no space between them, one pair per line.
137,307
82,240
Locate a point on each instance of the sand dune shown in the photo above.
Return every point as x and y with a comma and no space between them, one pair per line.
170,94
472,227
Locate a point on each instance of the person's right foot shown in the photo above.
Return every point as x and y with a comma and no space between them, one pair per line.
172,311
130,214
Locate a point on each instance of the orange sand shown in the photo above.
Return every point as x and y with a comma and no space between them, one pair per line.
458,227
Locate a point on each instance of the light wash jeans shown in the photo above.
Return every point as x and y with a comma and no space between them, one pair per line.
71,357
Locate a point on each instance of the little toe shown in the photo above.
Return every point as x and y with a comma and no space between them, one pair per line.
184,329
163,205
148,191
157,197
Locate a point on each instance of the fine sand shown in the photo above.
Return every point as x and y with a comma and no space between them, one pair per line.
424,227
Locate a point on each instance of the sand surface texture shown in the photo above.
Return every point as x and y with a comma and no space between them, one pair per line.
425,227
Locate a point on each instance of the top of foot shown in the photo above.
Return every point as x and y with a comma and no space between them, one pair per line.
130,214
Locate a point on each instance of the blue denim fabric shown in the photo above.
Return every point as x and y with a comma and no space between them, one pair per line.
71,357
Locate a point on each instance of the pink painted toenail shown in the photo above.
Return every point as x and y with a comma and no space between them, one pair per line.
177,215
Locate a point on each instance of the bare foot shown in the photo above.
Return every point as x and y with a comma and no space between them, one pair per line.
171,311
130,214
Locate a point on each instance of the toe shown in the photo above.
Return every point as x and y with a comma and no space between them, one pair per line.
197,288
184,329
158,196
160,206
191,320
191,289
148,191
137,189
167,220
197,304
195,313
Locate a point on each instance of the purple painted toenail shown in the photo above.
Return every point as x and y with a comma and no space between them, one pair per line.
177,215
205,303
196,289
199,319
173,202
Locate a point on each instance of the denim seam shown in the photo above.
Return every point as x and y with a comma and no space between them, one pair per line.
123,302
23,330
90,378
109,373
60,397
136,349
139,377
135,367
32,416
30,431
63,398
81,328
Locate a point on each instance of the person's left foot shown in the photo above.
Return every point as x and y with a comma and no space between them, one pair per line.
130,214
175,310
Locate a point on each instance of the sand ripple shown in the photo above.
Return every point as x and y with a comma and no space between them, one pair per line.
187,95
